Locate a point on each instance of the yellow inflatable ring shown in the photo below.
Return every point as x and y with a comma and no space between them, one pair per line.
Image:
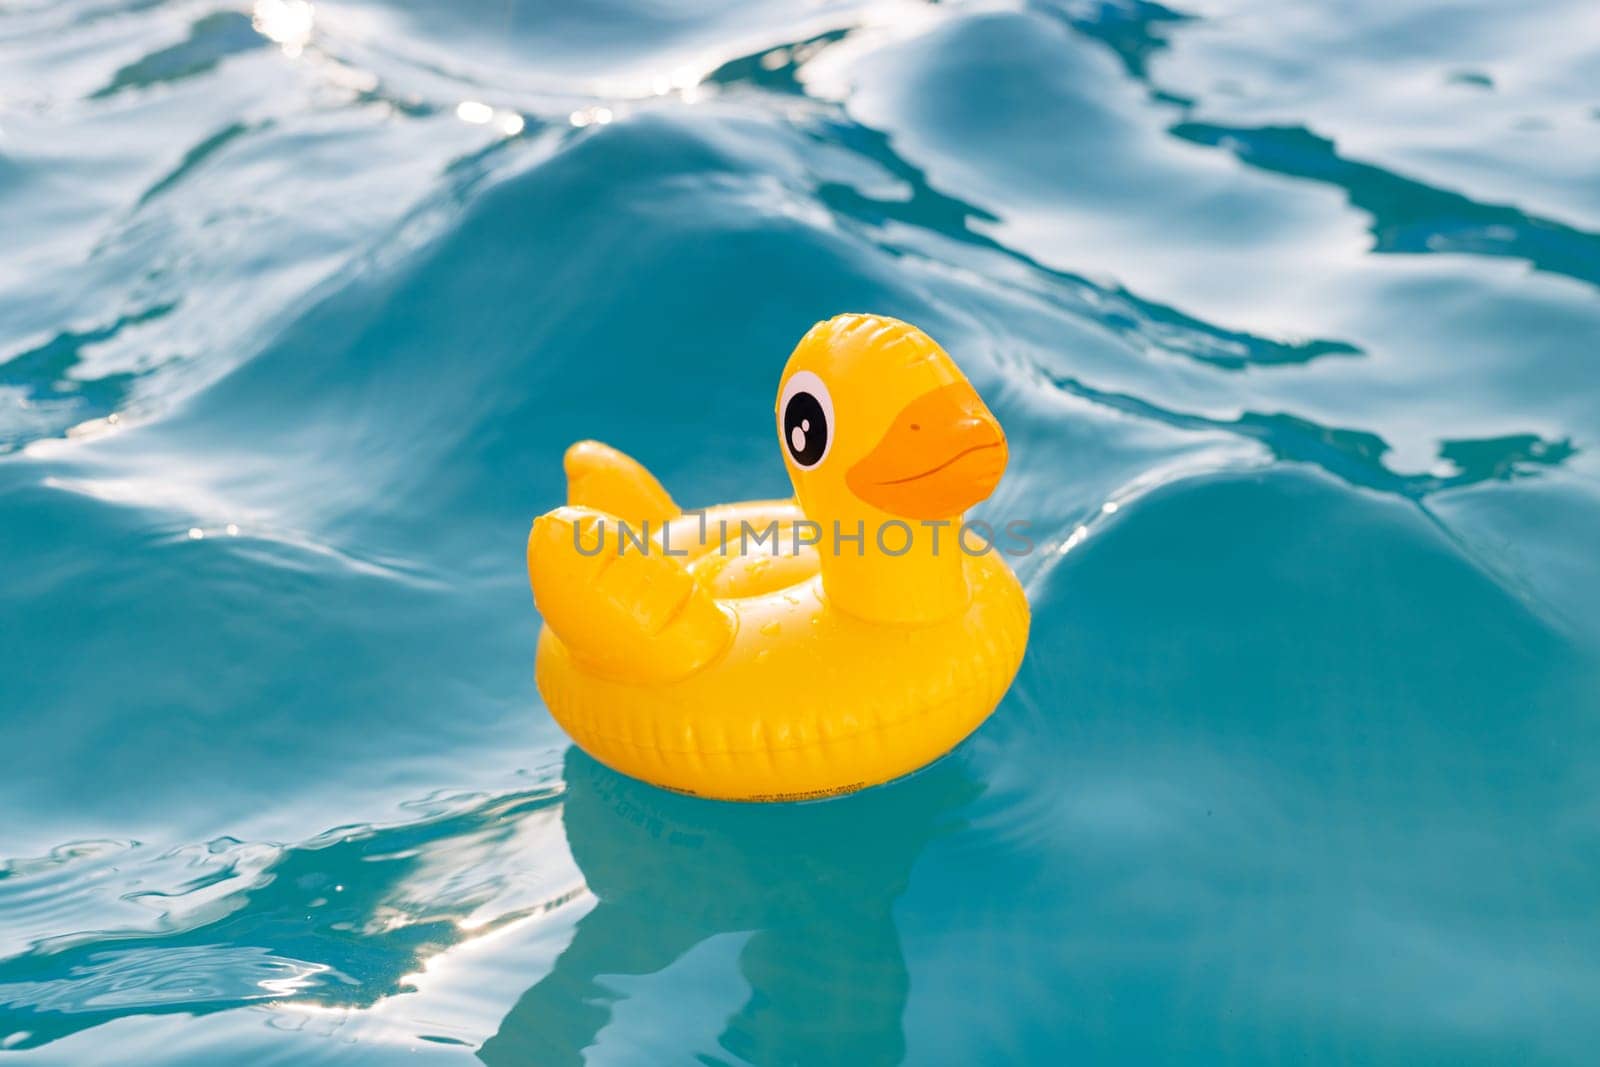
787,650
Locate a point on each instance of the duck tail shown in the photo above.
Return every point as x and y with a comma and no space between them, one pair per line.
624,609
600,477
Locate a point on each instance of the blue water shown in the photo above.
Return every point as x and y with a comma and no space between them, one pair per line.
1291,312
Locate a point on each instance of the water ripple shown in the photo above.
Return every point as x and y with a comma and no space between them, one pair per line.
1355,456
47,378
211,39
1408,216
340,919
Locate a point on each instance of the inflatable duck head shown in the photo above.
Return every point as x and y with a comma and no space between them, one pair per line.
880,428
879,423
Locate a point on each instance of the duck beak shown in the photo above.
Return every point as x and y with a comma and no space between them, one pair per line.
942,454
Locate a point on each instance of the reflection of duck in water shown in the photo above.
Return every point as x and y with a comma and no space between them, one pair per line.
814,882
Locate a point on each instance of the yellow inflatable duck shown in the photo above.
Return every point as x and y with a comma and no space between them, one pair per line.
790,649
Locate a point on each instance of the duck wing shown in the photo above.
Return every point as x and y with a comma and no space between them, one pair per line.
629,612
600,477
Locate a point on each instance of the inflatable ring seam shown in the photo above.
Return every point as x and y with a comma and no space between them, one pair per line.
876,725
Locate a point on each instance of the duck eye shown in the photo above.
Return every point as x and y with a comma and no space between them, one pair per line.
807,419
